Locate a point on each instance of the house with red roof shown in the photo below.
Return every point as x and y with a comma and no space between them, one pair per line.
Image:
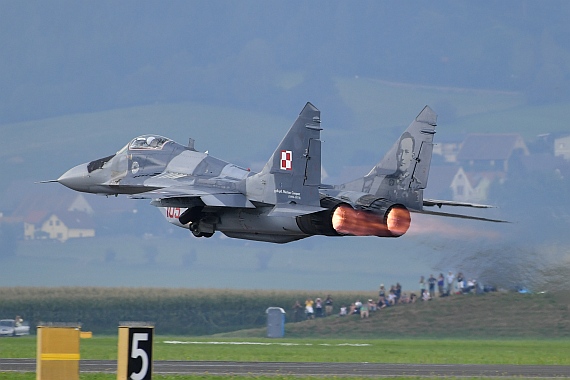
490,152
482,159
61,226
60,217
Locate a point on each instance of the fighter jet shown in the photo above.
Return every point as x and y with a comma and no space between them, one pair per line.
284,202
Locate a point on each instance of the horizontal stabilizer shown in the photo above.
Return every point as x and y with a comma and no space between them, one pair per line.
460,216
439,203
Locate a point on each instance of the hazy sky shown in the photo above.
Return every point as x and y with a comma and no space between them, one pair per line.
62,57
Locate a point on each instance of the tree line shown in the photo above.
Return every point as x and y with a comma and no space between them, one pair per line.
172,311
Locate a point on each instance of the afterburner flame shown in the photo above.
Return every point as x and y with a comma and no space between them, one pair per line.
398,220
348,221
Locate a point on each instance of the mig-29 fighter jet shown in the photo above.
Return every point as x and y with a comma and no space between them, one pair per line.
284,202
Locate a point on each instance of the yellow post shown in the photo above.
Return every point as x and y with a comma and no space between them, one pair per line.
123,353
57,353
134,361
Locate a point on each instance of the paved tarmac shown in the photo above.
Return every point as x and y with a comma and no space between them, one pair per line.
313,369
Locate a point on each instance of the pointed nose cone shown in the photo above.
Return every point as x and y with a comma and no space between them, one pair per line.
76,178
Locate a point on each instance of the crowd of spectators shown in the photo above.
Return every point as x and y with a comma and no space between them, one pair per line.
446,286
313,308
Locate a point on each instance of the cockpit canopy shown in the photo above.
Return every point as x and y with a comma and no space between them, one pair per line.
148,142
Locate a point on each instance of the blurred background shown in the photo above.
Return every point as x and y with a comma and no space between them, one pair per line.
79,80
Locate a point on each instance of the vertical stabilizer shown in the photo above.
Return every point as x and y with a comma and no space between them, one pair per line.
293,173
403,173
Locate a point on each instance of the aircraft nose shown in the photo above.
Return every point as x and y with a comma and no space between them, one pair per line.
75,178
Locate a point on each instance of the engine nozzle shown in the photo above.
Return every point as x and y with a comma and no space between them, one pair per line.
349,221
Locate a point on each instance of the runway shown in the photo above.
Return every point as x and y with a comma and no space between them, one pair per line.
312,369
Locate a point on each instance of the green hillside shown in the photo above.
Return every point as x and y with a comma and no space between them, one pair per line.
44,149
379,104
183,261
378,112
208,311
492,315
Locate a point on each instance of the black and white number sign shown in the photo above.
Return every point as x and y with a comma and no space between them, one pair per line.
140,353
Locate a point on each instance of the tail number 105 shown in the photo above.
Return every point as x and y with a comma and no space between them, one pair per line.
173,212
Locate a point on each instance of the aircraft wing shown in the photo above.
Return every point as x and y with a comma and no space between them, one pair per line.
185,196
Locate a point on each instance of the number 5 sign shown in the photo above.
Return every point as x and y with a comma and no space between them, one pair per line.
135,353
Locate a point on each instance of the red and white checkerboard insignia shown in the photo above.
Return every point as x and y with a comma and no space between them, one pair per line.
286,160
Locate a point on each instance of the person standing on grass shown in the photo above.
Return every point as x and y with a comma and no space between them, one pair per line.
319,308
398,292
297,311
382,291
431,283
450,283
328,305
309,308
440,283
422,284
364,311
460,281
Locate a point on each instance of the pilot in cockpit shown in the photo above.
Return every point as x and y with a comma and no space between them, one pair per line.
152,142
138,143
148,142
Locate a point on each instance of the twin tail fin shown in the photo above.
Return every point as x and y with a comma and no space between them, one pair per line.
292,176
403,172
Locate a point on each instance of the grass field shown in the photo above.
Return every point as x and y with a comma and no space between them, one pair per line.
100,376
92,376
533,330
425,351
537,352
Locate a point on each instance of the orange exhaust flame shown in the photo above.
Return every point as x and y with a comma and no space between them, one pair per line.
348,221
